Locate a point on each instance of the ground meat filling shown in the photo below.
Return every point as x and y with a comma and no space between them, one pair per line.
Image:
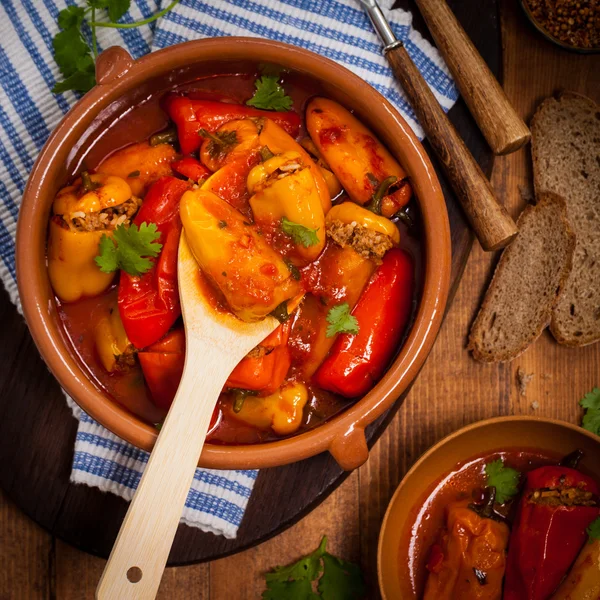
368,243
109,218
573,496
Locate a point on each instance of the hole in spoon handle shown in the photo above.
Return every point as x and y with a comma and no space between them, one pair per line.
134,574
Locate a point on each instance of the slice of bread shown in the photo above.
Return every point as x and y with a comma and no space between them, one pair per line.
566,160
526,284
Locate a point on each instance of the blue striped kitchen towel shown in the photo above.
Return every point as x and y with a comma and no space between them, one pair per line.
337,29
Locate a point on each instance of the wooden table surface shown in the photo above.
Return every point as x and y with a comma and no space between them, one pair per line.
452,391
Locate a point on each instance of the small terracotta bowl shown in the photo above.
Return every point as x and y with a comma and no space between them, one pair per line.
547,435
124,83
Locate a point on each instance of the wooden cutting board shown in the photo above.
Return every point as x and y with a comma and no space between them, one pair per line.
37,431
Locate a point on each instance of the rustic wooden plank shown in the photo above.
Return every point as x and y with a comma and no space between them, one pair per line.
26,556
453,390
77,575
241,576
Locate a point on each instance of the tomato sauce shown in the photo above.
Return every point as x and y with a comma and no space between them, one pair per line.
427,516
79,318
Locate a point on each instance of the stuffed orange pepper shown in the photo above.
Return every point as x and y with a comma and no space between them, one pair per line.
251,275
368,172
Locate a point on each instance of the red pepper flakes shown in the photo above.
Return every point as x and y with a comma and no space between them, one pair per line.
572,22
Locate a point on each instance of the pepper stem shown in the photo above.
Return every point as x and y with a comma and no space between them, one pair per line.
572,460
87,185
169,136
486,510
380,193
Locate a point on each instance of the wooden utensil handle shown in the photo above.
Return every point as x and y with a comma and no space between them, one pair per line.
138,558
492,224
502,127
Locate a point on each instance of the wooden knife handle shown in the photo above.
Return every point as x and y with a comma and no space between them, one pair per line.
502,127
492,224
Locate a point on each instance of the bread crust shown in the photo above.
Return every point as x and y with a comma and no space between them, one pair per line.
562,329
478,325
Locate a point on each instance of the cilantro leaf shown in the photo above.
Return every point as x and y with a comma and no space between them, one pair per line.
342,580
117,8
290,590
338,579
591,421
591,400
107,258
270,95
72,16
295,580
72,53
341,321
504,479
591,403
69,48
299,233
129,249
82,80
594,530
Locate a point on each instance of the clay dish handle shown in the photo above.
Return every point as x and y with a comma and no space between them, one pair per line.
112,64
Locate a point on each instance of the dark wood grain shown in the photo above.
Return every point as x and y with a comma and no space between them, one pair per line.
37,431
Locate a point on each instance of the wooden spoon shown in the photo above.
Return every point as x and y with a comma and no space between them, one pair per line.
215,343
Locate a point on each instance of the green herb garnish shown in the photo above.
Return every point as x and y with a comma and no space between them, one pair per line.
591,403
338,579
73,55
504,479
594,530
299,233
270,95
341,321
129,249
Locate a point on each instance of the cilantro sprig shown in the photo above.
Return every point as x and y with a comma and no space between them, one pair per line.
591,403
504,479
305,236
130,249
341,321
338,579
270,95
593,530
73,54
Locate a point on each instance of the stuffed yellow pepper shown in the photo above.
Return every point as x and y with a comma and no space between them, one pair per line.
253,278
83,212
140,165
333,184
281,411
369,173
114,349
274,140
285,199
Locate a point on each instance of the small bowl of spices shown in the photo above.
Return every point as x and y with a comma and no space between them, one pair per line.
570,24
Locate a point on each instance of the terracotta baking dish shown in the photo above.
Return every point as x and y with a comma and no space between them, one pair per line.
554,437
123,83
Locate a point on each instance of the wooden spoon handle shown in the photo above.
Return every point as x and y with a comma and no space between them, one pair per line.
492,224
138,558
502,127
